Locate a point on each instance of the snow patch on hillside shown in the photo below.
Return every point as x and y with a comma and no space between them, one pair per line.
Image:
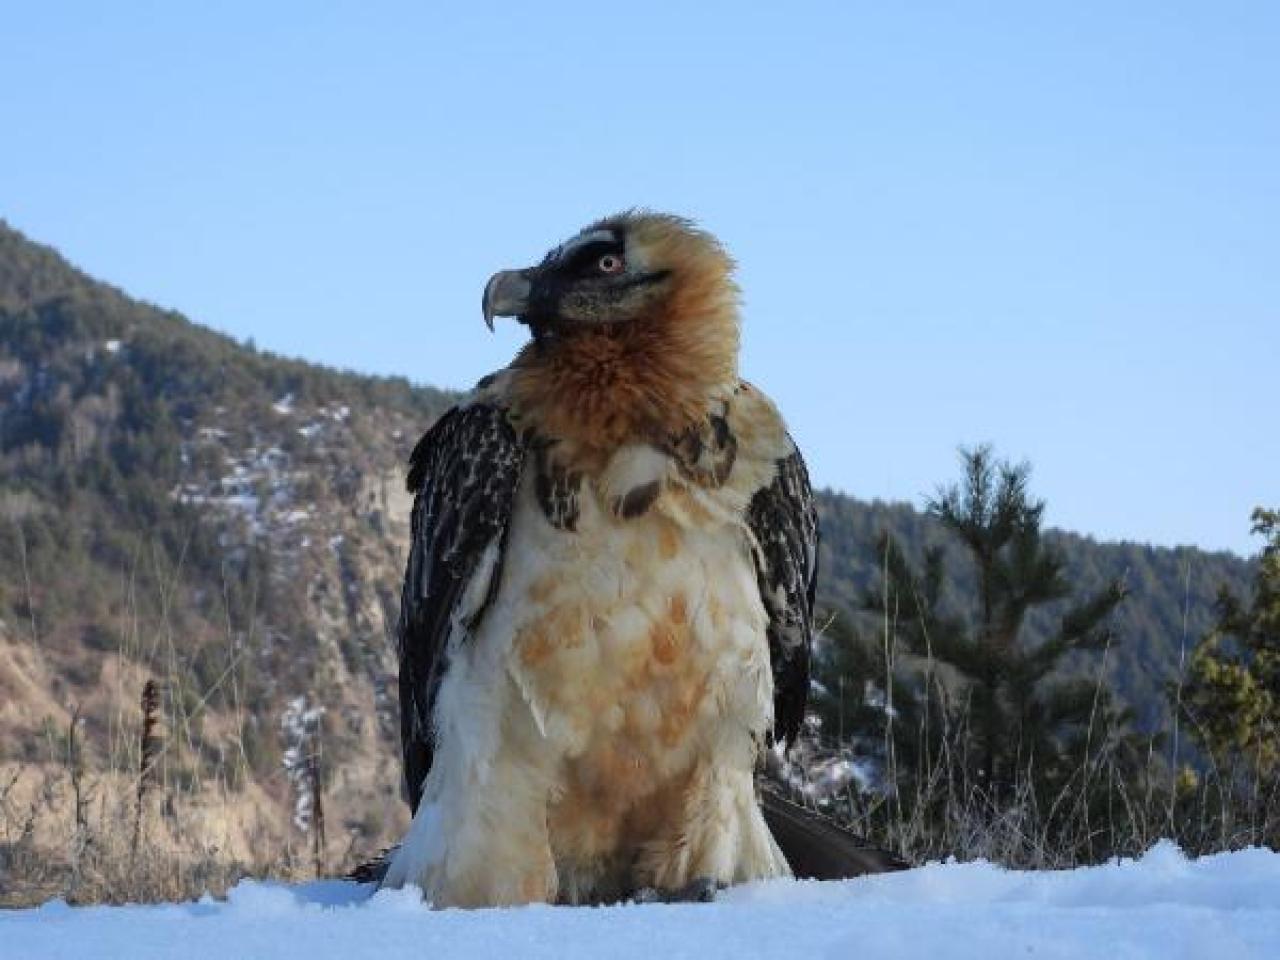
1162,905
260,489
300,724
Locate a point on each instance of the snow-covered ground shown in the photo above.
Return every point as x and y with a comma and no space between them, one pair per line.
1163,905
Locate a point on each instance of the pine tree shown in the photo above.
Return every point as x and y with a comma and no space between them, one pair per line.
1232,697
996,711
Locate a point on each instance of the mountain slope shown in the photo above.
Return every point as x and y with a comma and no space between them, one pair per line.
173,504
1170,603
176,505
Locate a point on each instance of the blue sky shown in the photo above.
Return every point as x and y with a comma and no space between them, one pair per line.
1055,227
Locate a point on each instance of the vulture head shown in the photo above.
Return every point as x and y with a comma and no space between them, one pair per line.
629,269
635,330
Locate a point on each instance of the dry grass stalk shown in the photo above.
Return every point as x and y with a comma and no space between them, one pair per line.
148,753
317,806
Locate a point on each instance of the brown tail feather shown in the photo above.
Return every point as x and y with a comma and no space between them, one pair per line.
819,848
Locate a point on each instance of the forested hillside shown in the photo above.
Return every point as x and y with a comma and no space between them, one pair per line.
179,506
1170,602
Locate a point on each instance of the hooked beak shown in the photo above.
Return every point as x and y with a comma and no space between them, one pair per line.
506,295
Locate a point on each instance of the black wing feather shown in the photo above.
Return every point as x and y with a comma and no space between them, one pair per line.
784,520
464,473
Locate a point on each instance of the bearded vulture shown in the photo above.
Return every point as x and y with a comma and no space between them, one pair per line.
607,608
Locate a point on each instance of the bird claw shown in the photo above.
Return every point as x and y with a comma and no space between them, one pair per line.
702,890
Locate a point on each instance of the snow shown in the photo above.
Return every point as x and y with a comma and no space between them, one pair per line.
833,776
259,490
1162,905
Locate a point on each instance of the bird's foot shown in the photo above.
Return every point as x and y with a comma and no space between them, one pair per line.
702,890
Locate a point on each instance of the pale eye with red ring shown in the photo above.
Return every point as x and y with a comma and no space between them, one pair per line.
610,263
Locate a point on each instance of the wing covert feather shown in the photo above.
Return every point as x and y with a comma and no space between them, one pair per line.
784,521
463,473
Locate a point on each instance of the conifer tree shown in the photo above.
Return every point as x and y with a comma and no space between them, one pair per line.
1232,696
969,693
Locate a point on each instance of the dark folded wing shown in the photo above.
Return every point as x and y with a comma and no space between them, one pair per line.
818,847
464,473
784,520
